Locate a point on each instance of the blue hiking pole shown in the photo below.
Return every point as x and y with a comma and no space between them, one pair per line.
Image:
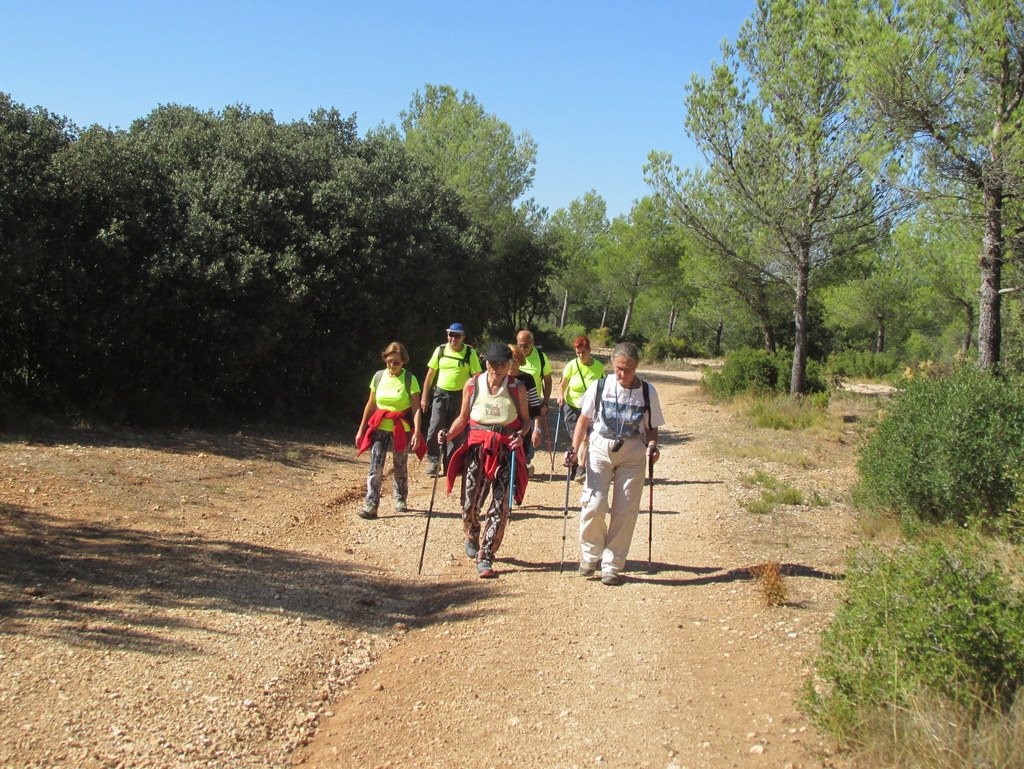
511,479
554,448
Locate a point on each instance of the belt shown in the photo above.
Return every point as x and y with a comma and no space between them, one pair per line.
501,429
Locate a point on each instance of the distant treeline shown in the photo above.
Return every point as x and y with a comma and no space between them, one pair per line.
212,267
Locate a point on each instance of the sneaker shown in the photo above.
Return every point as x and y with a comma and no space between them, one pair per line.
608,578
432,463
484,570
587,569
400,506
368,511
529,471
472,548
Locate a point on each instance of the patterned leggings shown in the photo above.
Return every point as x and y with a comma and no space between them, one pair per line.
383,441
475,486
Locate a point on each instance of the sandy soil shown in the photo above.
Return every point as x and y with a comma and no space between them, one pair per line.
197,600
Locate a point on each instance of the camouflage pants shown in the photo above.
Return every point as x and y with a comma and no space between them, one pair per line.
475,487
383,441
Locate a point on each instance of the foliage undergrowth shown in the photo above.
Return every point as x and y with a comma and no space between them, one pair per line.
950,448
859,364
931,629
758,371
673,349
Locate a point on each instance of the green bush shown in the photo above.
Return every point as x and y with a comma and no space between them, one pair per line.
571,331
948,448
759,372
860,364
669,349
602,337
933,619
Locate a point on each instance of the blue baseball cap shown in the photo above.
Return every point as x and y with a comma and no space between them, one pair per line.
456,328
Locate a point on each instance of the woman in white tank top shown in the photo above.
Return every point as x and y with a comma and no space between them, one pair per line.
494,408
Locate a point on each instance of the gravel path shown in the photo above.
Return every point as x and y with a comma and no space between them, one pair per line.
202,601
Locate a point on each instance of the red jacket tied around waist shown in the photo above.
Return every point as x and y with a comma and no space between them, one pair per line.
401,431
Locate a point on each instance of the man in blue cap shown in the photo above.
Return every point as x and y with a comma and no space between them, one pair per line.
450,365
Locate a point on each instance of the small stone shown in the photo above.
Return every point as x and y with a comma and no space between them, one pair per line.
757,749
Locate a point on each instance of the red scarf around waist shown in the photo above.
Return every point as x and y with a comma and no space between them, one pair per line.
489,444
400,431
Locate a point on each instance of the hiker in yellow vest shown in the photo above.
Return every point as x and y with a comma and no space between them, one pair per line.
577,376
539,367
390,422
496,412
449,368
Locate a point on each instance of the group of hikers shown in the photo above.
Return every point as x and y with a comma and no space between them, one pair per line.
489,415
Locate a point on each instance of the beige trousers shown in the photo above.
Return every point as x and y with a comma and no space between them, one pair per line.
613,490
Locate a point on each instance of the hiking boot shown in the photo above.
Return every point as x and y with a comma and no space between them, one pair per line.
432,465
587,569
400,506
484,570
472,548
608,578
368,511
529,471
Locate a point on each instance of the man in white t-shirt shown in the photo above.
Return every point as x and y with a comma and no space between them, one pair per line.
622,416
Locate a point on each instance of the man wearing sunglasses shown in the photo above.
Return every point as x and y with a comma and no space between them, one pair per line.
450,366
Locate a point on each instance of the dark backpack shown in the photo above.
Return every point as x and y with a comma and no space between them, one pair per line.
463,361
408,380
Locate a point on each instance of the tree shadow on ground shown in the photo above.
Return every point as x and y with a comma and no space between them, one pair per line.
300,449
89,583
714,575
641,571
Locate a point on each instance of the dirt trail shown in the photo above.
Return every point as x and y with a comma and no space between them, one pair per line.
209,601
682,666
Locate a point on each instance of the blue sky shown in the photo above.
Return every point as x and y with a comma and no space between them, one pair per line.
597,84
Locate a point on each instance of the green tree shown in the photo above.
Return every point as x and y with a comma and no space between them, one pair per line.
945,80
578,230
30,139
774,122
473,150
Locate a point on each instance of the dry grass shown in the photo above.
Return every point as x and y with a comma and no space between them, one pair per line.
769,581
935,734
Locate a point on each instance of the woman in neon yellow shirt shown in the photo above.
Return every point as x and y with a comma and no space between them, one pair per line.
386,426
577,376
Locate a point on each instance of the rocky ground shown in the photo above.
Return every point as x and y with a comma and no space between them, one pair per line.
200,600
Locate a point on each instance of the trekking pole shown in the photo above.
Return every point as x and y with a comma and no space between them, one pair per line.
430,508
565,515
511,479
547,438
650,518
558,423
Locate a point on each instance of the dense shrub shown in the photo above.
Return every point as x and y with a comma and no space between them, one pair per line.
571,331
933,619
860,364
602,337
669,349
948,448
758,372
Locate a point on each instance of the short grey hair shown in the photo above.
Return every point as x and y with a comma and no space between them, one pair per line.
626,350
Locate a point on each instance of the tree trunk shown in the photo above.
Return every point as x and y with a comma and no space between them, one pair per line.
880,339
798,378
989,325
718,337
565,309
604,312
673,316
629,315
